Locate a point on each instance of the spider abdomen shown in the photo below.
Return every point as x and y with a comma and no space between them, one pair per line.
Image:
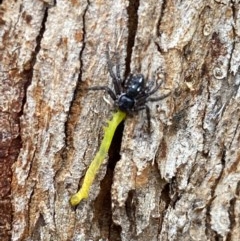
135,85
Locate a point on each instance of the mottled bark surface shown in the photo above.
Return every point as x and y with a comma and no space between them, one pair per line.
181,181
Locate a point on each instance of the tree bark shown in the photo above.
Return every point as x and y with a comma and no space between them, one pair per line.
181,181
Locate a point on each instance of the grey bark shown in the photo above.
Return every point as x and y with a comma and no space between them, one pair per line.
181,181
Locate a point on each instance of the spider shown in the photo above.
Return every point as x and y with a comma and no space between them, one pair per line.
130,95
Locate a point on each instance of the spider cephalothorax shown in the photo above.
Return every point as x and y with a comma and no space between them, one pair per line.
131,94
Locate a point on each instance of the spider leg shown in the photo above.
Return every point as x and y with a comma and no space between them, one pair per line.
116,79
146,107
149,86
144,97
152,99
157,86
147,91
126,81
106,88
118,68
148,117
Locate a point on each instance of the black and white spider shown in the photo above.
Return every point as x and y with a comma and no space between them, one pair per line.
131,94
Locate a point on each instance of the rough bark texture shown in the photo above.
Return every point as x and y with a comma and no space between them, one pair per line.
181,181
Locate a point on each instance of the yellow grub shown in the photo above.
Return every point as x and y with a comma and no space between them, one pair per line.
109,131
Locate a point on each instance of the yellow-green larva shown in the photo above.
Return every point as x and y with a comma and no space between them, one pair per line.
109,131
